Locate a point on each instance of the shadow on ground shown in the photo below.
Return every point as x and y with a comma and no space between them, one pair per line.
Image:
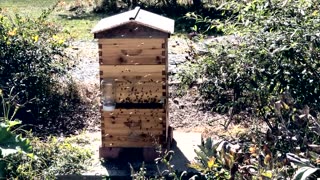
183,148
134,157
82,16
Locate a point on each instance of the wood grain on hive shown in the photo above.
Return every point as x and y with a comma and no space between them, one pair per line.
133,127
139,69
133,51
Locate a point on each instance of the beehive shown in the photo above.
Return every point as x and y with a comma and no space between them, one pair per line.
133,51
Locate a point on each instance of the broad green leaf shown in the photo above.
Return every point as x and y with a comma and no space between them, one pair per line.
11,143
305,172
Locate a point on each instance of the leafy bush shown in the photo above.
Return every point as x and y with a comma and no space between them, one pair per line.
49,158
34,65
288,150
307,172
31,55
10,144
31,158
213,163
270,48
267,64
281,152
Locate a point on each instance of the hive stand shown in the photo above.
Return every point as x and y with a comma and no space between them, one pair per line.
133,51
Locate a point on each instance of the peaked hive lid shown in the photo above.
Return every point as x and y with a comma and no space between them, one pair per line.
138,16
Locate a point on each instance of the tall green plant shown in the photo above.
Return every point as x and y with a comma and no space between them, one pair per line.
267,63
10,142
269,47
28,157
32,57
33,62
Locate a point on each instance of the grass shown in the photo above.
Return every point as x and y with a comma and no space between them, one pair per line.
26,7
78,26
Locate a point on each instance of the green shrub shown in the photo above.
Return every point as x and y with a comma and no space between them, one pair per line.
307,172
31,55
31,158
280,152
212,163
269,48
34,65
49,158
267,64
11,144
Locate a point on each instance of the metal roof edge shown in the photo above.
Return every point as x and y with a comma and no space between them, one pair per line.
132,17
127,22
153,27
137,9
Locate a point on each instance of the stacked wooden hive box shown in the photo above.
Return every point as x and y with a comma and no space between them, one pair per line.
133,52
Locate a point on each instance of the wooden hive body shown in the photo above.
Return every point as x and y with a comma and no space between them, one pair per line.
136,57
